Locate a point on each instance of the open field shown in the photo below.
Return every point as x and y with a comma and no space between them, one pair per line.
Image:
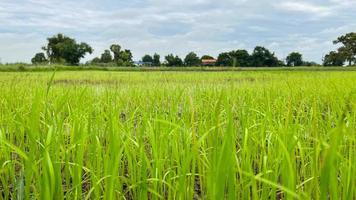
178,135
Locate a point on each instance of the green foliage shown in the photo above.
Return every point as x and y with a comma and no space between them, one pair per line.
224,59
39,58
95,60
116,49
192,59
262,57
207,57
121,58
294,59
348,50
106,57
241,58
172,60
125,58
156,60
310,64
63,49
147,59
334,59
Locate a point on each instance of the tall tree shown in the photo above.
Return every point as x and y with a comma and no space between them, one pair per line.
262,57
224,59
39,58
126,57
61,48
116,49
240,58
294,59
334,59
192,60
156,60
172,60
106,57
348,50
147,59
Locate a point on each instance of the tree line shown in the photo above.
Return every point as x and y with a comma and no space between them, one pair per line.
61,49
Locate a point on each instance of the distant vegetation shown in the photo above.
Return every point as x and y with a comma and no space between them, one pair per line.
64,50
345,53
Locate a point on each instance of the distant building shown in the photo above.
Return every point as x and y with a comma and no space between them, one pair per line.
140,63
208,62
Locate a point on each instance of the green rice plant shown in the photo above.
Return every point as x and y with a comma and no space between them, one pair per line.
178,135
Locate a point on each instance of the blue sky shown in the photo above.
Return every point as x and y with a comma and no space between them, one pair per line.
176,26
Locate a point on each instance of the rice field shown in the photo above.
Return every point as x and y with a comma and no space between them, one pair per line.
178,135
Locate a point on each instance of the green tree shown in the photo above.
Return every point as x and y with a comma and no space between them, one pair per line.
147,59
240,58
116,49
39,58
224,59
348,50
334,59
156,60
192,60
172,60
262,57
207,57
294,59
126,58
61,48
96,60
106,57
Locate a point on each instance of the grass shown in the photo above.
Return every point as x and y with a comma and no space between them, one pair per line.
23,67
187,135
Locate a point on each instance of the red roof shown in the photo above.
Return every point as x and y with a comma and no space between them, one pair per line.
209,61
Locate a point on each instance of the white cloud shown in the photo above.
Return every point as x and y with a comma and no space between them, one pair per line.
175,26
304,7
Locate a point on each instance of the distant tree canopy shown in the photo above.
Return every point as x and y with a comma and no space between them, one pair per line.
172,60
120,58
39,58
334,59
63,49
116,49
147,59
348,50
192,59
156,60
106,57
207,57
346,53
241,58
260,57
96,60
224,59
294,59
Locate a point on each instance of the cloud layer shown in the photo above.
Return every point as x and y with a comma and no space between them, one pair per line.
176,26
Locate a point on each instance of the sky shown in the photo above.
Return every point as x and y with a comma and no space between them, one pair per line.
176,26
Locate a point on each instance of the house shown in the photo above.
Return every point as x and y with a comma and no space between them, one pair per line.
141,63
208,62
